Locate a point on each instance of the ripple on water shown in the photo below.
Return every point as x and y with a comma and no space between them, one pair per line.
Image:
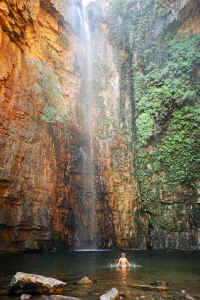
134,266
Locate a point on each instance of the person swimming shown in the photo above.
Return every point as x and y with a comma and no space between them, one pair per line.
123,261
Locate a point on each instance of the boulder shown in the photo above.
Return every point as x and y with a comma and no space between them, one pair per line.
25,297
186,295
35,284
58,297
113,294
85,281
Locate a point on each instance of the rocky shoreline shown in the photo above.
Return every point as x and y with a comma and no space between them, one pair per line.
26,286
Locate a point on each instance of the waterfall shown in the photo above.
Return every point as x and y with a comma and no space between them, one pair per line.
85,231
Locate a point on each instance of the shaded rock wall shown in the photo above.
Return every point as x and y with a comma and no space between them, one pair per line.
180,227
144,36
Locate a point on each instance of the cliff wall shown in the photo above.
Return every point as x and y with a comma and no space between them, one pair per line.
158,58
145,192
42,134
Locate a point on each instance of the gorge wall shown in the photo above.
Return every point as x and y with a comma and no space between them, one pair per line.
45,151
33,195
158,46
43,136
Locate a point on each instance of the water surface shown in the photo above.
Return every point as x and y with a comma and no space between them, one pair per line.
179,270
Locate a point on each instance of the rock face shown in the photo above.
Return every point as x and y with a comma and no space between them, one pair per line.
35,284
150,37
43,141
34,197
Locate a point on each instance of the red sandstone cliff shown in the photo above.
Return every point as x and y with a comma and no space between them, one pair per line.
45,183
41,130
31,176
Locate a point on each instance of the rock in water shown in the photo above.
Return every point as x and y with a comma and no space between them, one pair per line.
85,281
58,297
113,294
35,284
25,297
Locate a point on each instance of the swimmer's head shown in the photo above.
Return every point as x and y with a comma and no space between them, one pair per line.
123,255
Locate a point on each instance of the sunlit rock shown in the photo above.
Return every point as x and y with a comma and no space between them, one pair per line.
85,281
113,294
186,295
57,297
25,297
35,284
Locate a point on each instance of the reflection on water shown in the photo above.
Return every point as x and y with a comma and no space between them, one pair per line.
180,271
124,271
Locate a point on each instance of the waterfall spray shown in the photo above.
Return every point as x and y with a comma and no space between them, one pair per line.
85,231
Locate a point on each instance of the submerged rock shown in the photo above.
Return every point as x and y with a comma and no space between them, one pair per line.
35,284
157,283
85,281
160,288
113,294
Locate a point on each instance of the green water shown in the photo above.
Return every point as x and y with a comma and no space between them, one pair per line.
179,270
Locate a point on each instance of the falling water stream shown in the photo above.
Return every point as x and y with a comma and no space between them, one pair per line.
89,119
85,232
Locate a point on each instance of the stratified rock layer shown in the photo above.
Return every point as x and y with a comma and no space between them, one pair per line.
33,195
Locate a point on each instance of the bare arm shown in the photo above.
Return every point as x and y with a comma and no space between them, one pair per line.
119,262
127,262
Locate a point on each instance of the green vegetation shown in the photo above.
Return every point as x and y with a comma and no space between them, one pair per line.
168,105
166,96
168,109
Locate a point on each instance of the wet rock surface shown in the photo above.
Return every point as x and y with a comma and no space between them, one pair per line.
113,294
58,297
149,287
25,297
85,281
35,284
